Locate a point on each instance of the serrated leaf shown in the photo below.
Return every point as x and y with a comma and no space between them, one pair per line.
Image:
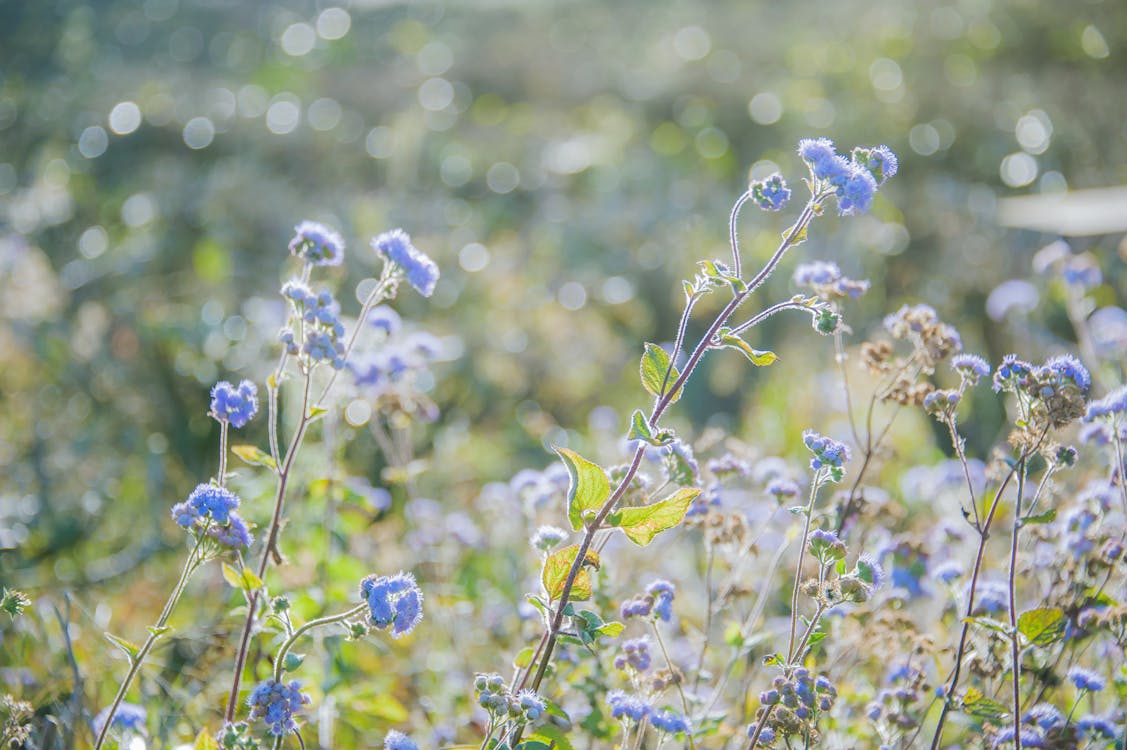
641,525
610,629
558,565
1047,517
587,489
756,357
653,367
978,705
254,456
1042,626
131,649
204,741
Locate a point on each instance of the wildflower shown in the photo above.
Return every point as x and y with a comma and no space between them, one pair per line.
276,703
531,704
770,194
547,537
822,158
393,601
234,405
826,546
971,367
662,591
870,571
879,161
13,602
1086,679
991,597
856,194
206,501
1070,369
670,722
827,452
635,654
396,248
947,572
129,716
1012,372
385,318
1112,404
1098,726
317,244
1043,715
396,740
627,706
234,535
827,280
781,488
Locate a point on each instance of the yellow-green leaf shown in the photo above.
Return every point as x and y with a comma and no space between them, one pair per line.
558,565
756,357
653,367
254,455
131,649
245,579
978,705
204,741
1042,626
588,489
641,525
798,239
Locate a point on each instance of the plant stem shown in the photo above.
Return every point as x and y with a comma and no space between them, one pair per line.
280,659
801,559
1015,650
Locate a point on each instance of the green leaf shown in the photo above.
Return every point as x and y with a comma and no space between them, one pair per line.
978,705
640,430
553,734
641,525
655,363
756,357
1047,517
1042,626
254,455
798,238
131,649
204,741
523,658
610,629
158,632
317,412
990,623
531,744
244,579
293,661
558,565
588,489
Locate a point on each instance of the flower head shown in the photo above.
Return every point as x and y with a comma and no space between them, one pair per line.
624,706
770,194
317,244
1086,679
276,703
396,740
970,366
236,405
827,452
662,591
1110,405
206,501
670,721
878,161
531,704
396,248
129,716
394,602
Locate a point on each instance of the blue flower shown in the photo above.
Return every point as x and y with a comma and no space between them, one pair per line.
662,591
1086,679
854,182
396,740
627,706
532,704
421,272
827,452
547,537
870,571
823,159
991,597
947,572
385,318
635,654
393,601
670,722
234,405
781,488
855,194
770,194
317,244
235,535
206,501
276,703
1069,368
1110,405
1098,726
129,716
970,366
879,161
1012,372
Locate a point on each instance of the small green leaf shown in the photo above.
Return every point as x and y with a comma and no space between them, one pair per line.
653,367
978,705
293,661
640,429
1047,517
131,649
588,488
641,525
989,623
158,632
254,455
317,412
1042,626
756,357
523,658
245,579
558,565
799,238
204,741
610,629
535,745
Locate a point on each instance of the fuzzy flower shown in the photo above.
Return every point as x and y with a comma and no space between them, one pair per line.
1012,372
129,716
1086,679
623,706
1096,726
396,740
823,159
870,571
770,194
206,501
317,244
395,247
393,601
827,452
547,537
670,721
531,704
276,703
879,162
236,405
385,318
948,571
1070,369
662,591
1110,405
781,488
970,366
827,280
635,655
235,535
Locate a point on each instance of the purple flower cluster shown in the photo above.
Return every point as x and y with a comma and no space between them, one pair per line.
129,716
324,333
855,181
393,601
396,248
770,194
635,655
971,367
658,600
670,722
1086,679
213,507
827,452
827,280
1112,404
625,706
396,740
236,405
276,703
317,245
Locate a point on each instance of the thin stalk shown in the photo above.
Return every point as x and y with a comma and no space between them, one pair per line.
814,485
1015,650
284,649
733,225
672,671
772,310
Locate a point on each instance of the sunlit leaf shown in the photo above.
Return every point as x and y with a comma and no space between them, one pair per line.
653,368
557,567
641,525
978,705
131,649
254,455
205,741
1042,626
588,488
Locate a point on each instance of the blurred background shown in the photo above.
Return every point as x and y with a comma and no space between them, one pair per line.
564,163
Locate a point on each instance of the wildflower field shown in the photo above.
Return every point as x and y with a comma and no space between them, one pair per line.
563,376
